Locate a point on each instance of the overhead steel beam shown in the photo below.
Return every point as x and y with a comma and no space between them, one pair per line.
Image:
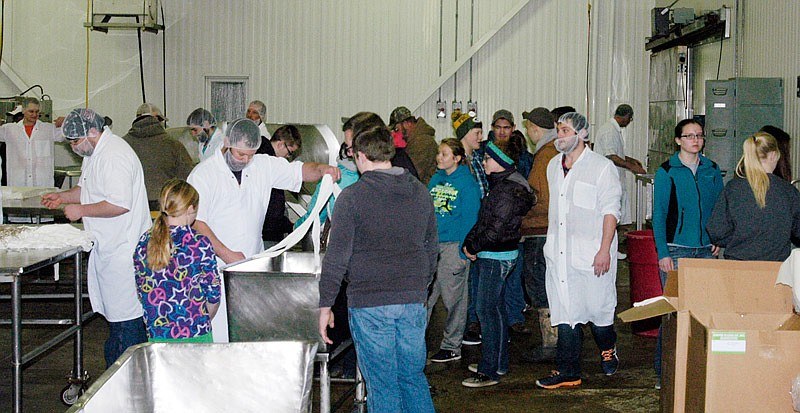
13,76
477,46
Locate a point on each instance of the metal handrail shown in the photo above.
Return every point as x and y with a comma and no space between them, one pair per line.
644,184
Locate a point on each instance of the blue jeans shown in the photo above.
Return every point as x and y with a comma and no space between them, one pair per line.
535,269
390,345
515,297
570,345
491,310
472,288
676,252
121,335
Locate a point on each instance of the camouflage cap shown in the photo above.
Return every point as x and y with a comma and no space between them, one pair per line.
399,114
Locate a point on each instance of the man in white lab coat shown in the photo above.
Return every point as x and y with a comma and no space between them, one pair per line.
609,142
111,199
29,147
581,250
234,186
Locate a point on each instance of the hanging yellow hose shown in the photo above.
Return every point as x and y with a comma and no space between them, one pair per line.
88,27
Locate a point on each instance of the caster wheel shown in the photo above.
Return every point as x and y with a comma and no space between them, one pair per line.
71,393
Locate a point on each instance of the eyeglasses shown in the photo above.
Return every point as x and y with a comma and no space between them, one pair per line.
693,137
292,153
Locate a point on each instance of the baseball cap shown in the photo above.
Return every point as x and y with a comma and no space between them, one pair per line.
503,114
540,117
150,109
398,115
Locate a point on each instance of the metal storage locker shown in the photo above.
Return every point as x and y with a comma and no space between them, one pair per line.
735,109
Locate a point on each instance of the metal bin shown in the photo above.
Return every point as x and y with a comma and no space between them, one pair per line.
189,377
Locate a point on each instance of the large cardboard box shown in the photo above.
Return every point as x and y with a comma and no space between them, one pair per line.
731,339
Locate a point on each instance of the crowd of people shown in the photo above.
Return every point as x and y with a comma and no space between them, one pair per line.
492,227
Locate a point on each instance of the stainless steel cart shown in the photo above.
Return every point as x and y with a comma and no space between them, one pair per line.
15,265
277,298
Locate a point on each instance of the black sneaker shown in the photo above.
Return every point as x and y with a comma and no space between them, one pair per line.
443,356
473,335
609,361
556,380
479,380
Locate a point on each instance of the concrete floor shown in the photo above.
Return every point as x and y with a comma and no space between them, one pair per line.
630,390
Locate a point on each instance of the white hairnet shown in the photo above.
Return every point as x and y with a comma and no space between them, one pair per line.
262,108
79,121
244,134
201,118
577,122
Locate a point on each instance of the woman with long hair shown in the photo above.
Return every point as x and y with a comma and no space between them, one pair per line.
686,188
456,201
758,212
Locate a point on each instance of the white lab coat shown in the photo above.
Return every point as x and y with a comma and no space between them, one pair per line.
214,144
608,140
578,204
114,174
262,127
30,160
236,212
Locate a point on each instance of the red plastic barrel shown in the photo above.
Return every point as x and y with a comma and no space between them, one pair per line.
644,278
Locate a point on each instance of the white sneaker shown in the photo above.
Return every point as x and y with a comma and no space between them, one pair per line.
621,255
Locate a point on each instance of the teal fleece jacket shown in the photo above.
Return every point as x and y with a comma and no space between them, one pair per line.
456,201
682,203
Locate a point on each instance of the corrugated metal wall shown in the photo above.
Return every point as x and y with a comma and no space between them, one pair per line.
316,61
770,41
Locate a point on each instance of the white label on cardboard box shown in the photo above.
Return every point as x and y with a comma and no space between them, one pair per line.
728,342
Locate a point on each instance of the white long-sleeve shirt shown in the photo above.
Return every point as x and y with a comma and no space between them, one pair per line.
30,159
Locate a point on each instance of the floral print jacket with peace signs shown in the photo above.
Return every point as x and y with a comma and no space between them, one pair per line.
175,298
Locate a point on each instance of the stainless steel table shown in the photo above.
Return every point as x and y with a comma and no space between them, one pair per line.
15,265
68,172
32,207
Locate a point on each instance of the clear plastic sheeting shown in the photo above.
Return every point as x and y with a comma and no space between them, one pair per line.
234,377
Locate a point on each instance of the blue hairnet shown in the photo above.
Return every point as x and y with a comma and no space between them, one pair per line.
578,123
244,134
79,122
201,118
